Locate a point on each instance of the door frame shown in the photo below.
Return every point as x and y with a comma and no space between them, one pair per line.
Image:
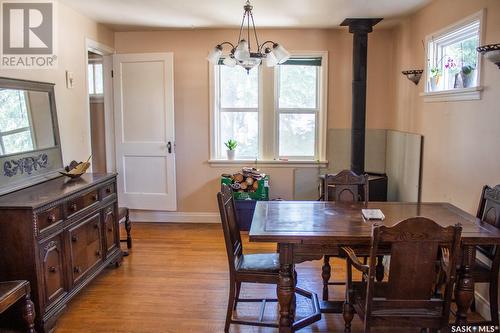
109,122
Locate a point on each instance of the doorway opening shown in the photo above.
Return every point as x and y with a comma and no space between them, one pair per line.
95,77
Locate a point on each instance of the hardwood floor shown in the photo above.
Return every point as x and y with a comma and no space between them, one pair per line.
176,280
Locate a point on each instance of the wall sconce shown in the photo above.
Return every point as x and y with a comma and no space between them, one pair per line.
491,52
413,75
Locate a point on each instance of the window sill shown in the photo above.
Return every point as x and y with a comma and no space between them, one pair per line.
462,94
270,163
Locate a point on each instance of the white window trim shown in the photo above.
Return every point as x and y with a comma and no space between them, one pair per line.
460,94
268,149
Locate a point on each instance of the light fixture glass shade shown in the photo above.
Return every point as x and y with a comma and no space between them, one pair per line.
241,52
229,61
270,59
280,53
249,63
214,55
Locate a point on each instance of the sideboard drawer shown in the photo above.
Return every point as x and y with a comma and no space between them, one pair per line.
85,246
107,190
77,204
49,217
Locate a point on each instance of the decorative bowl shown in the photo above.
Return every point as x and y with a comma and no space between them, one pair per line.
491,52
75,169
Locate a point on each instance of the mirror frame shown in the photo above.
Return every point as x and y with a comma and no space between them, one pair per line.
28,168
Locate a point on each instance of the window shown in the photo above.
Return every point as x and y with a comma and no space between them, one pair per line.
95,77
298,108
453,62
15,123
273,113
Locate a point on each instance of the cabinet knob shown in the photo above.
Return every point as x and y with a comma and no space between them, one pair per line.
77,269
52,269
98,253
51,218
96,226
95,197
74,238
108,190
73,207
110,229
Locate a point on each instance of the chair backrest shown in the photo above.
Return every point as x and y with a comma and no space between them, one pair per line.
347,187
229,220
416,247
489,212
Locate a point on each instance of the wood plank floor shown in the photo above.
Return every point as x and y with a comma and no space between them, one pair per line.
176,280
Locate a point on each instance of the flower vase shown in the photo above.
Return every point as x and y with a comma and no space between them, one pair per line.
230,154
434,82
469,80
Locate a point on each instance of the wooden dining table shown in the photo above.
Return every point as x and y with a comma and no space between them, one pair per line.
308,230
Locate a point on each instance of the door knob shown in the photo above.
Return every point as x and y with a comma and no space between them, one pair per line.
169,147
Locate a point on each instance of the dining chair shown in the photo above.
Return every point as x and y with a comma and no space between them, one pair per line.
489,212
252,268
345,186
418,248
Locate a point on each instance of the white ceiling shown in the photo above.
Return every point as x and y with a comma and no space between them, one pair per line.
175,14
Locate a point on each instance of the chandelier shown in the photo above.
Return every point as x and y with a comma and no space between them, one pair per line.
242,54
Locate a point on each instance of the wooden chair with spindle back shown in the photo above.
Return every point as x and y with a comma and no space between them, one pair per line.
347,187
252,268
407,299
489,212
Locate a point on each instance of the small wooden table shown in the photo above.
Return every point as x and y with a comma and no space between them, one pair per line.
10,293
309,230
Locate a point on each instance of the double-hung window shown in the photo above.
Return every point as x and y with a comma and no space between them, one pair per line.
275,114
298,108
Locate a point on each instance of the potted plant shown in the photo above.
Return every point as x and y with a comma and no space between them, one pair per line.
468,74
231,148
434,79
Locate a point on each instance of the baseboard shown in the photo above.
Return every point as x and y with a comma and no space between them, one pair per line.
177,217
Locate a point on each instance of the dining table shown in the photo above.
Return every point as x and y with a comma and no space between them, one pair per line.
309,230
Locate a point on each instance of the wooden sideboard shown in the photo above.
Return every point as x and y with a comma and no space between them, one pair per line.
59,235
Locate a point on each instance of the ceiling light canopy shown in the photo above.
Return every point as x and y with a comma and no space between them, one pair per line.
242,53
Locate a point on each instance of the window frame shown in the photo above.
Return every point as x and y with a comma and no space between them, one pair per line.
268,136
446,36
93,63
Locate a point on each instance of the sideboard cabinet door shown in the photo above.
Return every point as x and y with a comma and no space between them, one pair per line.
110,231
85,246
51,257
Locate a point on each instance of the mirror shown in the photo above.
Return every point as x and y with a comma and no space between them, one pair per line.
30,150
25,121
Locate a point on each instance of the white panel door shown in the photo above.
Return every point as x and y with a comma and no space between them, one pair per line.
144,130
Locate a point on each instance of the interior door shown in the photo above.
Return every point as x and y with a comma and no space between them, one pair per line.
144,130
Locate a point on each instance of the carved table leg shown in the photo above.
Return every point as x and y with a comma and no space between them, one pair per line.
29,314
326,274
379,269
286,289
464,291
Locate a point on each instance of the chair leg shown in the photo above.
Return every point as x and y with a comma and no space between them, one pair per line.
29,314
128,228
494,300
326,274
348,314
230,304
237,295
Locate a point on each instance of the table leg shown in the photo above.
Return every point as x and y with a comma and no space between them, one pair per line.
286,289
464,291
29,314
379,269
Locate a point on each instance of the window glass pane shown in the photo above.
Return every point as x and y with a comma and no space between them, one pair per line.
297,86
13,111
459,63
98,79
297,134
17,142
242,127
90,71
237,88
